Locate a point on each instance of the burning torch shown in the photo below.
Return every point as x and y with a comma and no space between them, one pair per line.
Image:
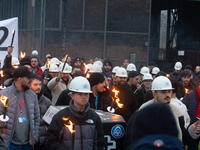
22,54
86,70
186,94
2,79
71,128
66,56
12,38
115,100
4,101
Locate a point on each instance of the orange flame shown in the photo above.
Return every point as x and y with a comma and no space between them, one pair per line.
48,63
15,66
66,57
70,127
107,86
117,98
167,75
86,67
22,54
2,75
4,100
186,91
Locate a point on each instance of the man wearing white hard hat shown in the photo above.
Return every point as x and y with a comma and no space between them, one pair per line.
125,95
162,91
113,80
147,82
88,128
176,74
61,82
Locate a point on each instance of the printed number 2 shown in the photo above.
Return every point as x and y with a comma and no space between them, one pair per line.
5,35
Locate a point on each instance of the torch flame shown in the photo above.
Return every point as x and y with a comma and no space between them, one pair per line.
117,98
167,75
3,100
2,75
86,67
22,54
13,31
48,63
66,57
70,127
186,91
107,86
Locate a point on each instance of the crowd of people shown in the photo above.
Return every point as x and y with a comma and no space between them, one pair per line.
158,109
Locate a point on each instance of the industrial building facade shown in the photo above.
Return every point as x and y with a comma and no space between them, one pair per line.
164,31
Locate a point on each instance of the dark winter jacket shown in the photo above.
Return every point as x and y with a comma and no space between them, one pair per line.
181,90
129,103
192,101
44,103
175,76
88,134
63,98
8,68
104,100
138,95
148,96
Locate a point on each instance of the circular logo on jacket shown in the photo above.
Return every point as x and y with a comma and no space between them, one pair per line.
117,131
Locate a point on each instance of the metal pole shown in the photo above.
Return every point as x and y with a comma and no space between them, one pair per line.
41,28
105,29
149,33
83,22
33,38
43,32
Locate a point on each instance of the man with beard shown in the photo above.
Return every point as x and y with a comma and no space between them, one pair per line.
60,83
185,83
44,103
133,82
162,91
125,95
35,66
107,69
21,130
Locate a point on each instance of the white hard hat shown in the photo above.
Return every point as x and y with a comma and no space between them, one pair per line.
131,67
178,66
144,70
53,68
147,76
161,83
99,63
115,69
67,69
95,68
34,52
54,60
89,66
155,70
121,72
15,61
80,84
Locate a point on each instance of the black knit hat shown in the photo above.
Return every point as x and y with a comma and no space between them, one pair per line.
107,62
132,74
156,118
25,61
96,78
188,67
75,60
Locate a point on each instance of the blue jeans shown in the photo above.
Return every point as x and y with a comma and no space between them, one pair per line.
20,147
